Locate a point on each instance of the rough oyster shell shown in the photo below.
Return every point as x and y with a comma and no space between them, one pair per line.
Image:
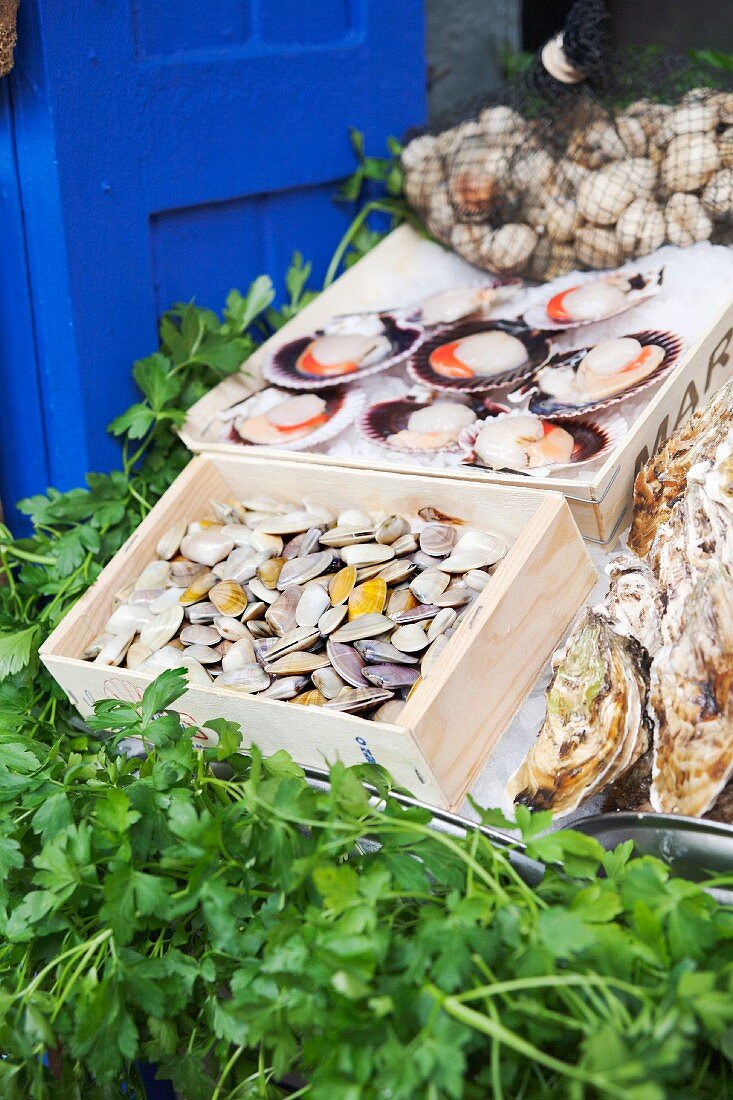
633,602
596,725
692,694
661,482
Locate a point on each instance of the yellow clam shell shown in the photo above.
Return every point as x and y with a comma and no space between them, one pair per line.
369,598
229,598
342,584
198,588
311,698
269,571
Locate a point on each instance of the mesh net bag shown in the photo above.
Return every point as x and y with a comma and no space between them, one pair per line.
591,157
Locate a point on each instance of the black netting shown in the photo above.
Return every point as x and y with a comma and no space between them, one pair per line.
550,175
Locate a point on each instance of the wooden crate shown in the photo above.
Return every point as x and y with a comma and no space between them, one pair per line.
450,725
598,504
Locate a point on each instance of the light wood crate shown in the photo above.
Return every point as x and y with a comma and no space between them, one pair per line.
599,504
453,720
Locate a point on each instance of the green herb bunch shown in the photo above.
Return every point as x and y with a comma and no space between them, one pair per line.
240,928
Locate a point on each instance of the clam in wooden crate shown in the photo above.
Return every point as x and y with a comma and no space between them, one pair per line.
451,722
406,267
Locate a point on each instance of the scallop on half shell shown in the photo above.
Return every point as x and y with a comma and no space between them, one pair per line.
346,349
594,300
462,303
477,356
536,446
587,379
292,422
423,426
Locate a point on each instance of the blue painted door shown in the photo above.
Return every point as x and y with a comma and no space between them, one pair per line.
153,151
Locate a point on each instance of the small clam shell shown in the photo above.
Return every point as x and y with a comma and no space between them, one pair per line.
143,597
268,505
390,529
340,537
368,598
96,646
240,654
155,575
455,596
391,677
169,543
366,626
437,539
166,599
229,598
430,584
286,687
405,544
229,628
316,508
312,604
332,619
368,572
162,628
199,634
292,523
347,663
418,614
295,664
264,543
207,547
291,549
136,655
255,609
311,698
367,554
260,629
352,517
474,550
328,682
281,614
303,637
183,571
115,649
198,588
341,584
204,654
128,617
195,671
432,653
477,579
424,561
299,570
270,570
442,622
161,659
397,571
389,711
377,652
240,566
410,639
311,541
203,612
357,699
261,592
400,601
248,679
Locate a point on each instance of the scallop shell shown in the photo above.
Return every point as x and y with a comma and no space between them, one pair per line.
343,406
280,367
592,440
643,286
546,405
368,598
381,422
535,341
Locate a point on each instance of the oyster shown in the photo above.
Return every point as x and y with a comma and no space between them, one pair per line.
633,602
596,725
692,694
661,482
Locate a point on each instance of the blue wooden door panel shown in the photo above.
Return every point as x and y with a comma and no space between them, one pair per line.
170,150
